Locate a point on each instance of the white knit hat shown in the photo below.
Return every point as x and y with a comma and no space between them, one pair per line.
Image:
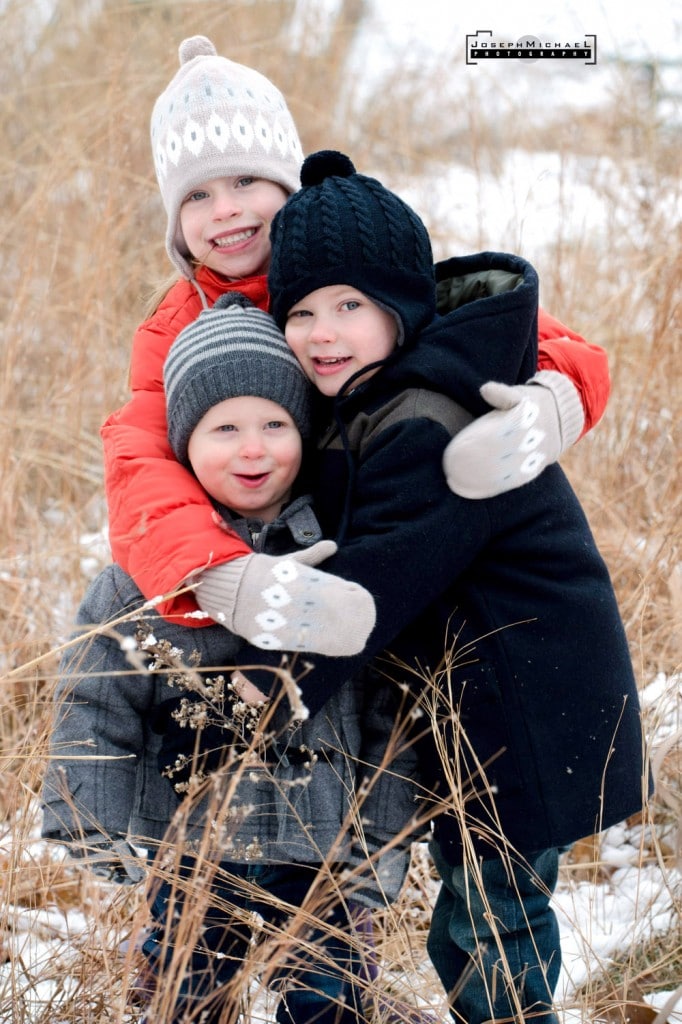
217,119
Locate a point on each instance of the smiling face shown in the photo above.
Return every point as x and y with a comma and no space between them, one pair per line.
246,453
226,224
335,331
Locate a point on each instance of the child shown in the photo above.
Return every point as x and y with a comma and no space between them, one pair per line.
227,154
500,612
238,409
224,173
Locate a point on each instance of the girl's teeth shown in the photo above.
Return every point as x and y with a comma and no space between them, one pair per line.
224,243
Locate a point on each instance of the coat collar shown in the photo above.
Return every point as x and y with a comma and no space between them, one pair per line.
211,285
486,330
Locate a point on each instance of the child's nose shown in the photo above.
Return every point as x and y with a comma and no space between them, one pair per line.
321,330
252,446
226,204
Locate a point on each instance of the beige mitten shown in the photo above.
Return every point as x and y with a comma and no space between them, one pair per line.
530,426
282,602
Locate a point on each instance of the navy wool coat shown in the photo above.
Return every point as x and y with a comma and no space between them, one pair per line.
505,604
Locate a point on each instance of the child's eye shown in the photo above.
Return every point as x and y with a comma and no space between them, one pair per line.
243,182
275,425
350,304
226,428
196,196
295,313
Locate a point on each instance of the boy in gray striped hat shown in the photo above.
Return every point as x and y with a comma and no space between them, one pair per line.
277,821
234,353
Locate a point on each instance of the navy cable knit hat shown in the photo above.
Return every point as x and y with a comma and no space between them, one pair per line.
344,228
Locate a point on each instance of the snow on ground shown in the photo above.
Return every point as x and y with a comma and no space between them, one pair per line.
600,920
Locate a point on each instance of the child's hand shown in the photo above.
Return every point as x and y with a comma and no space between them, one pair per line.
285,603
246,690
531,425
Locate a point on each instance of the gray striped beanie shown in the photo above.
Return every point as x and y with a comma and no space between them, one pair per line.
216,119
231,350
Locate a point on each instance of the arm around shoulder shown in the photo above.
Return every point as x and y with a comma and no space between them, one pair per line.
162,526
585,364
531,424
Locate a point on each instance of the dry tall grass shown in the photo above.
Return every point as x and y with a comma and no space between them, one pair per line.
83,247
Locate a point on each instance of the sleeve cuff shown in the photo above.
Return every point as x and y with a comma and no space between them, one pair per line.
569,404
218,588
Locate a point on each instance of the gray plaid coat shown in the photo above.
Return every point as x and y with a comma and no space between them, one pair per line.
103,775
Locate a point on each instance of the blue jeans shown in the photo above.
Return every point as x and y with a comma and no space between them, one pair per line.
490,971
317,964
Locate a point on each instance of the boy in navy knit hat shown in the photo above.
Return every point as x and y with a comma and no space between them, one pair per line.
278,828
499,615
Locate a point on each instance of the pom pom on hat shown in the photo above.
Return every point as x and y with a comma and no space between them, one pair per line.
196,46
342,227
325,164
229,351
233,299
217,119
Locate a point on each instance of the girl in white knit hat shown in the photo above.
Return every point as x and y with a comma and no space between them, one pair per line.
227,155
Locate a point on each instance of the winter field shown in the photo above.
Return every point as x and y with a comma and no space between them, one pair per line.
581,178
